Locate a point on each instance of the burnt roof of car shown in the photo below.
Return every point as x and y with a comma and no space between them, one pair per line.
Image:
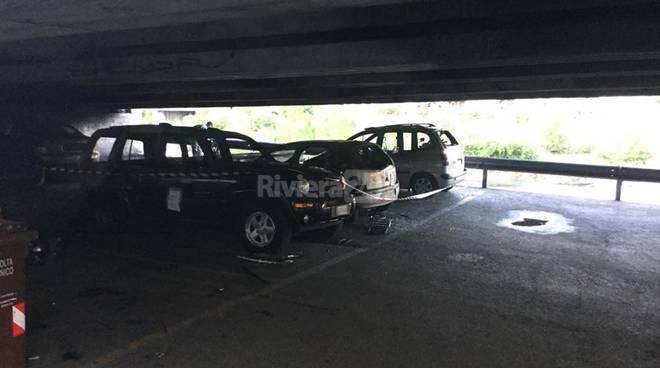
416,125
321,142
163,127
148,128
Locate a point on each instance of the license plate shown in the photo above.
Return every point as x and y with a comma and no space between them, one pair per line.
342,210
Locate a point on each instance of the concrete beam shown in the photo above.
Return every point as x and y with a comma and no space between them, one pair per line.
427,56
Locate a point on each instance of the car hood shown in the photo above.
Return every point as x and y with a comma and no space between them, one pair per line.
293,170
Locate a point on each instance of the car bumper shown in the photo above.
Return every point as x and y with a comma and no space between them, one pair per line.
322,215
447,180
377,197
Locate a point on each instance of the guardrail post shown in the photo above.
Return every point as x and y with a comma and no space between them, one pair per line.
619,186
484,179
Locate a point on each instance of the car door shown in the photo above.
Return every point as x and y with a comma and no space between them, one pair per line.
186,177
427,152
392,143
211,185
135,164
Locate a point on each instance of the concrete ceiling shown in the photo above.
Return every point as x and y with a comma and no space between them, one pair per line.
252,52
25,19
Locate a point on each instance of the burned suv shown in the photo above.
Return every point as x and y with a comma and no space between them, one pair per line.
158,172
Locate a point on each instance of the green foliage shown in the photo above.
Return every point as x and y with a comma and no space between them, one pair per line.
585,149
389,111
262,122
148,116
555,141
499,150
634,152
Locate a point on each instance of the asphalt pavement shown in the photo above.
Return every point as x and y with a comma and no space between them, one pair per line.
452,284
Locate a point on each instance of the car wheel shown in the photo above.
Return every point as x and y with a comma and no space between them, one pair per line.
423,183
325,233
265,230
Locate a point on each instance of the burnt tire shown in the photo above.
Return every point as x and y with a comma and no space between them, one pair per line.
264,229
423,183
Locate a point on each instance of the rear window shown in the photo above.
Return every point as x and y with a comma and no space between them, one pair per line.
102,149
447,138
364,157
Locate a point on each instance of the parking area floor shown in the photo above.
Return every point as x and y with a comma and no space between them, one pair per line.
452,284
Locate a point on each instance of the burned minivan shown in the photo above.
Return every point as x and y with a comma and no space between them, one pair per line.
427,158
369,172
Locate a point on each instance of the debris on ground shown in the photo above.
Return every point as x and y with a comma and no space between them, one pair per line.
215,292
379,224
155,356
345,241
269,259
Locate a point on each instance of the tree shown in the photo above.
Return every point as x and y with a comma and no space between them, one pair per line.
555,141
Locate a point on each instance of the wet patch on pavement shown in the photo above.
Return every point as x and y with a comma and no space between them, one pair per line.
537,222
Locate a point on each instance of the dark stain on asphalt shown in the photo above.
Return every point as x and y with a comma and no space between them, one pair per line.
71,355
530,222
266,313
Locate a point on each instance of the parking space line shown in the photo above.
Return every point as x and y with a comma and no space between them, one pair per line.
219,310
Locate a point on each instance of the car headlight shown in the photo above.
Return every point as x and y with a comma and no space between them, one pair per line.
302,187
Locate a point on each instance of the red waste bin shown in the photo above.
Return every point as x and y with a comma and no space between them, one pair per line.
14,240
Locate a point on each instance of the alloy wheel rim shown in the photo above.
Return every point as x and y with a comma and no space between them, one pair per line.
259,229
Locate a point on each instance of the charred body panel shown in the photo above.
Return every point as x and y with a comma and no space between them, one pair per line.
370,173
62,147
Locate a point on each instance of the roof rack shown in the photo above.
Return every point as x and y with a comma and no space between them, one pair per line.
428,125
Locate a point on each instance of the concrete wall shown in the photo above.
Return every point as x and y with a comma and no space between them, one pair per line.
41,120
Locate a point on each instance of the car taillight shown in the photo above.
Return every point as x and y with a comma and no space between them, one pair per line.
445,159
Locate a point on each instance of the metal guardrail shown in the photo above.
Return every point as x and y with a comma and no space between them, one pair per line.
618,173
